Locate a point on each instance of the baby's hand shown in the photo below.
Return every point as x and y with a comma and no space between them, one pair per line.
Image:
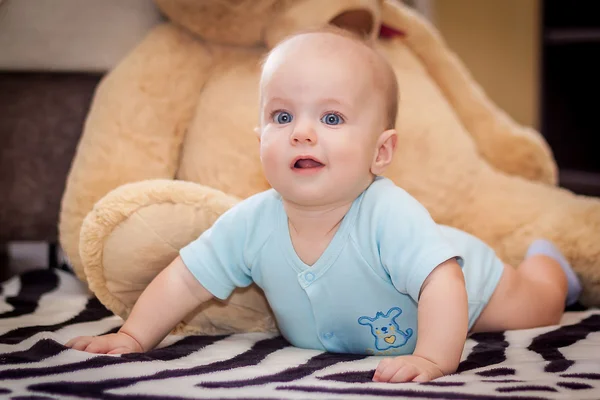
406,369
114,343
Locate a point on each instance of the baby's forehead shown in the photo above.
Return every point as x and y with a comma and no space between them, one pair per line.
319,54
360,64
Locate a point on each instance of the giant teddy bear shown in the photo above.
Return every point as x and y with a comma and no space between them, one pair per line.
168,146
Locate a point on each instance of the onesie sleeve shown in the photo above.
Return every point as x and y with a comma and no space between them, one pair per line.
217,257
411,244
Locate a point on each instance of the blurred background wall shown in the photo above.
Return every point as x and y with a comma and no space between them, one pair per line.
499,42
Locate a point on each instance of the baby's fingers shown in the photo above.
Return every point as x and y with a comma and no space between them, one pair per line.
79,343
99,345
423,377
120,350
381,367
388,368
406,373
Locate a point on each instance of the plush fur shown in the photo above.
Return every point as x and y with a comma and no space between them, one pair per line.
182,107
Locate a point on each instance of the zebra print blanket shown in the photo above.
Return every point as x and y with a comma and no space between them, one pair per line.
41,310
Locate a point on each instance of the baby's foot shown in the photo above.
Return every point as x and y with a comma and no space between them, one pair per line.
545,247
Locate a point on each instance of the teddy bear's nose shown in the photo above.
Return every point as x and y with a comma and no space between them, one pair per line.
384,329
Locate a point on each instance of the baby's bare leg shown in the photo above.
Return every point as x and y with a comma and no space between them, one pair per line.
529,296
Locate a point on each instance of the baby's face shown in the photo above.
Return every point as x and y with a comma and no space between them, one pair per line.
320,120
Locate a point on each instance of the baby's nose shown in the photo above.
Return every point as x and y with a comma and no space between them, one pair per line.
303,134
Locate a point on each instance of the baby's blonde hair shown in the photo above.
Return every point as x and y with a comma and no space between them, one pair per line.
388,83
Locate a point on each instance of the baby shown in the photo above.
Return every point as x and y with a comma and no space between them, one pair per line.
349,262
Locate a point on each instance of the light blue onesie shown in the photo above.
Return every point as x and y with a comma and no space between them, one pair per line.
361,294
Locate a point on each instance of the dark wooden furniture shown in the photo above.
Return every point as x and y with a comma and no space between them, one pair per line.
570,90
41,120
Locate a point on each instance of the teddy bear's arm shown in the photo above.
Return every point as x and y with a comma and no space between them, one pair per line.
137,229
135,125
506,145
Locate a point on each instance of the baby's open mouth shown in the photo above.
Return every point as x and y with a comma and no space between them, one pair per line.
303,163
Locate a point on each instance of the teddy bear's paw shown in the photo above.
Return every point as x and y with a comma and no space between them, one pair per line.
137,230
246,310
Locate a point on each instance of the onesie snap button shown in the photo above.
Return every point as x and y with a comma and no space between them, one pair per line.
309,276
327,335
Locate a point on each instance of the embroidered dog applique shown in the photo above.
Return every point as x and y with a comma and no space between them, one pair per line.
385,329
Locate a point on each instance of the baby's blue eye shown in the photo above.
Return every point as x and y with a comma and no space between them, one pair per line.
282,117
332,119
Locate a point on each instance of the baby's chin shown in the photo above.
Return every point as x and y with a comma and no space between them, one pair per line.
318,194
317,200
304,200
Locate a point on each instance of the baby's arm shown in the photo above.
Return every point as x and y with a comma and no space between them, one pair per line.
443,325
172,295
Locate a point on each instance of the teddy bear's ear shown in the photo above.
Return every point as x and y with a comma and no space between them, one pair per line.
364,321
362,17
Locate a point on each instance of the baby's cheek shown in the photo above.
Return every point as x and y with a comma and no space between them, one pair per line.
273,161
268,152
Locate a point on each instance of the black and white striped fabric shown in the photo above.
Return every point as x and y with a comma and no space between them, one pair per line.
41,310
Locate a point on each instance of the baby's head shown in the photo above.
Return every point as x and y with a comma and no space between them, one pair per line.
328,106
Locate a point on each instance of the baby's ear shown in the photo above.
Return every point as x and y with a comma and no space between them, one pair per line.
384,153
